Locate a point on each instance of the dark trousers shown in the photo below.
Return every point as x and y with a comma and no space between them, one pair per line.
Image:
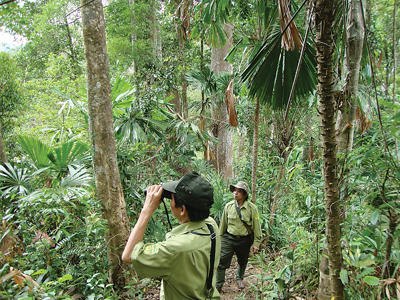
229,245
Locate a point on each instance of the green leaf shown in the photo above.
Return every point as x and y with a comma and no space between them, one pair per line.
41,271
65,278
299,220
195,32
344,277
374,219
371,280
366,263
281,284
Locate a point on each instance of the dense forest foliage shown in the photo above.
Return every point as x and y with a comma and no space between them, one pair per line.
299,99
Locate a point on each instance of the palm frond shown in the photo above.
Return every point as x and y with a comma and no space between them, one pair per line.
14,180
271,72
78,177
36,150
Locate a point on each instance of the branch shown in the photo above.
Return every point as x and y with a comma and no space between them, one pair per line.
79,7
6,2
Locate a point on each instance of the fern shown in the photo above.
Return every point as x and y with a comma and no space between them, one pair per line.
61,243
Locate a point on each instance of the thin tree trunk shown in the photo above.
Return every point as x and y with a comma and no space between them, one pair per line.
224,150
3,155
181,27
108,183
324,20
351,67
394,69
277,196
185,112
255,150
134,36
388,268
72,51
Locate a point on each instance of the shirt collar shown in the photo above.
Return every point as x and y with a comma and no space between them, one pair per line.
186,227
245,204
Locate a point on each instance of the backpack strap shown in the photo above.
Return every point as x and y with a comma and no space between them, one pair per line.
213,237
240,217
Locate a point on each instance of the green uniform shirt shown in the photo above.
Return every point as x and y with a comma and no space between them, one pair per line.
231,222
181,261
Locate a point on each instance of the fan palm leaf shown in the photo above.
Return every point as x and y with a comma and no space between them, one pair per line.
271,72
14,180
36,150
78,177
67,154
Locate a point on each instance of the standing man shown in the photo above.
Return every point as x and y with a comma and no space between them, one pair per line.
187,259
240,229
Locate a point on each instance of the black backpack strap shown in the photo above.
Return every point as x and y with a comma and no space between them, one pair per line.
250,231
213,237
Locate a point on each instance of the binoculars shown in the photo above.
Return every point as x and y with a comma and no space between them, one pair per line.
165,193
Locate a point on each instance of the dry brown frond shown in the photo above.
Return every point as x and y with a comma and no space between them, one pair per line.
362,121
230,104
291,36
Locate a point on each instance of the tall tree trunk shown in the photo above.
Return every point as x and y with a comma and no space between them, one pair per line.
351,67
74,66
3,155
394,69
133,67
324,19
185,111
145,24
223,151
108,183
388,266
255,150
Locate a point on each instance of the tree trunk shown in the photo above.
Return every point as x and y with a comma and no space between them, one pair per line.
324,18
351,67
3,155
74,66
394,70
388,268
108,183
223,151
185,111
255,150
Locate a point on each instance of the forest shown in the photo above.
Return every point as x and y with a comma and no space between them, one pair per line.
102,99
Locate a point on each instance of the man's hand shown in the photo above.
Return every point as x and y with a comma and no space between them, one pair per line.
153,199
255,249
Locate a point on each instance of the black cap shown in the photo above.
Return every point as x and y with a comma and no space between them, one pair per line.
194,189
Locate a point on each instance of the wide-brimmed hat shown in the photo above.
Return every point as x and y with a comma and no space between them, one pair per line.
194,189
240,185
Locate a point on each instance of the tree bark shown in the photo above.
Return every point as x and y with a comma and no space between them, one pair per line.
185,111
387,269
324,20
223,151
396,146
108,183
3,155
74,66
255,150
351,67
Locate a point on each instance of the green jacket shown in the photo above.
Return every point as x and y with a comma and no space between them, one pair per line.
181,261
231,223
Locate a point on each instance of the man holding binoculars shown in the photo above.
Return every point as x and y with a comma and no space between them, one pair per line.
187,259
